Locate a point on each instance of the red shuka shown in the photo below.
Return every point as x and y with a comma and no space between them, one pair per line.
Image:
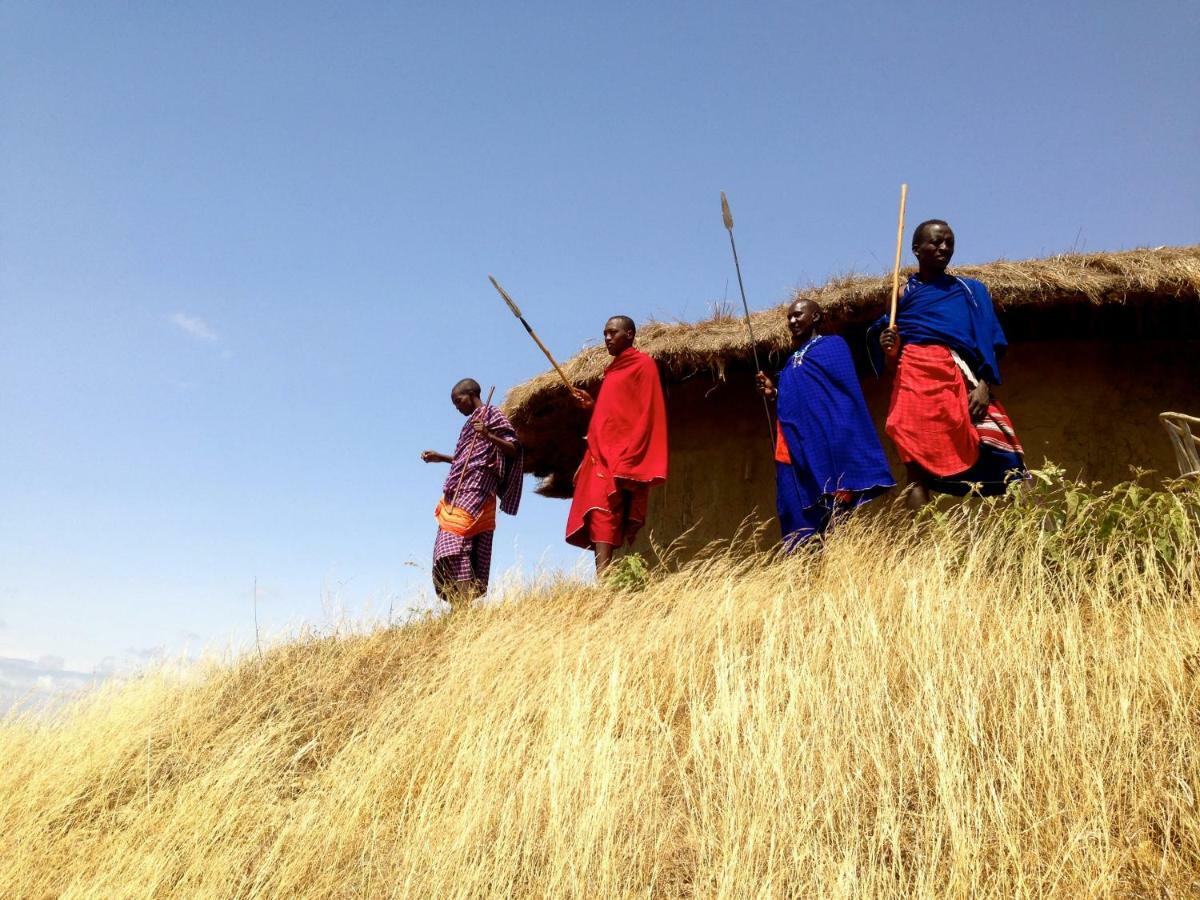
930,421
626,446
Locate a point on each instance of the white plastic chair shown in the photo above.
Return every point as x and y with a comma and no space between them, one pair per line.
1186,444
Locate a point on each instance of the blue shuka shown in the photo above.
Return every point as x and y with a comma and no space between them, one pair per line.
836,462
954,312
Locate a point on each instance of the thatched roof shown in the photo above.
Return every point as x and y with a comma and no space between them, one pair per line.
1149,292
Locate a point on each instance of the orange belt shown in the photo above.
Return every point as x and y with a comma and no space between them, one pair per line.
457,520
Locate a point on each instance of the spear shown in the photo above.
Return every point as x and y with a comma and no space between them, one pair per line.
533,334
896,270
728,217
470,450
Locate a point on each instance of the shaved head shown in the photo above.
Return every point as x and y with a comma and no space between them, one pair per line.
465,396
625,322
803,316
920,230
933,246
618,334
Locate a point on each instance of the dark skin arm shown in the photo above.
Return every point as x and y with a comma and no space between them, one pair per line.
766,387
507,447
978,399
432,456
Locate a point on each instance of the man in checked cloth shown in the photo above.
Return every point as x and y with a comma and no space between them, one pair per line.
949,430
487,463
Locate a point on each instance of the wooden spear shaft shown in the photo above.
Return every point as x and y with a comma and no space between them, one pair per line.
533,334
899,247
470,450
728,218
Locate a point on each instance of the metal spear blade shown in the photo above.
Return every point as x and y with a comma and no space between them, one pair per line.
507,299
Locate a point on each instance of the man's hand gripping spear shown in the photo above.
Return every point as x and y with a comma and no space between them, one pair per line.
889,339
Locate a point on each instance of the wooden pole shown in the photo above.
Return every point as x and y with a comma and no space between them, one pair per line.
533,334
470,450
899,247
727,216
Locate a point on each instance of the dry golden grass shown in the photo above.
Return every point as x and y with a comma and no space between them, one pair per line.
896,716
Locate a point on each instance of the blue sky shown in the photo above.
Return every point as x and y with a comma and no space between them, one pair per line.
244,249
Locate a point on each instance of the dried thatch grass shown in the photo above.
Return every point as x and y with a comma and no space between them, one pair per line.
1171,275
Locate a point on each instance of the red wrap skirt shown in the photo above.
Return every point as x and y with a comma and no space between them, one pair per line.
929,420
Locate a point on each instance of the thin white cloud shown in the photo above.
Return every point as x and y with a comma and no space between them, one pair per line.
147,653
31,685
194,326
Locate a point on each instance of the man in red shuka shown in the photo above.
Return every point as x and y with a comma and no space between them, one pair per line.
626,451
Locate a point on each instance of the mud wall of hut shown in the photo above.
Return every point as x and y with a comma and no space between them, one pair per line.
1091,406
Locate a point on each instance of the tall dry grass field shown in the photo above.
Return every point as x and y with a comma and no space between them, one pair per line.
946,712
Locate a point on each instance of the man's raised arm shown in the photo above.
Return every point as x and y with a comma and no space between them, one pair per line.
507,447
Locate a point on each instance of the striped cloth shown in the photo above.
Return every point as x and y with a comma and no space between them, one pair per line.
488,475
995,429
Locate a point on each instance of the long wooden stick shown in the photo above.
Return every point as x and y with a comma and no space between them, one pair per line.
899,247
470,450
533,334
728,217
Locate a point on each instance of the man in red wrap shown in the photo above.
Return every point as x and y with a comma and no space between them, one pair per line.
626,451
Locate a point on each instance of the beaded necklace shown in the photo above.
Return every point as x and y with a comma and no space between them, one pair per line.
798,356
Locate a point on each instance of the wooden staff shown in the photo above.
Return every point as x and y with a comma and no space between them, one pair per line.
470,450
899,247
533,334
728,217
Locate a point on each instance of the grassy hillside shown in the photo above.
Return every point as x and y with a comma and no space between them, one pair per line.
1002,702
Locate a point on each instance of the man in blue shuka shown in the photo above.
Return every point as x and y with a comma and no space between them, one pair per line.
828,459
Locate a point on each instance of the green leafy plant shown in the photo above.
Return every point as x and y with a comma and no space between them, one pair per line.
1071,518
628,573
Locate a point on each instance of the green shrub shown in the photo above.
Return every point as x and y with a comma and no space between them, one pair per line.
1075,518
628,573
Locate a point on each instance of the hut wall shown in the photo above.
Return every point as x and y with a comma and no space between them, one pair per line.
721,467
1090,406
